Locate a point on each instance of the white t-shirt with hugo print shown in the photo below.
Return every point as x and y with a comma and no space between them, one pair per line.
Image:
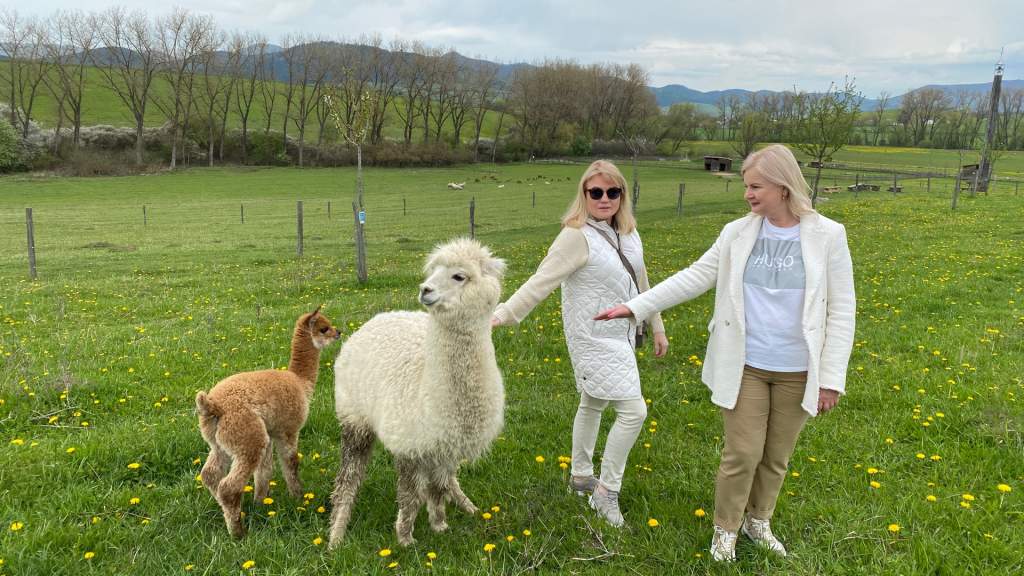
773,301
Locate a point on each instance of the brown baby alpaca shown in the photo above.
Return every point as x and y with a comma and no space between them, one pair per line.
245,415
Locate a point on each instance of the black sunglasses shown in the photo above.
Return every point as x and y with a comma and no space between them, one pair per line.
596,193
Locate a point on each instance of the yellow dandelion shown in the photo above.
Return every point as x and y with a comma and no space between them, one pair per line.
509,538
794,474
486,515
936,457
968,497
190,567
268,501
17,442
527,533
872,470
432,555
488,547
920,456
653,522
495,509
71,450
320,509
309,496
539,459
248,564
134,500
1004,488
894,528
134,466
700,513
874,484
318,541
15,526
384,552
247,489
965,504
89,555
930,498
393,565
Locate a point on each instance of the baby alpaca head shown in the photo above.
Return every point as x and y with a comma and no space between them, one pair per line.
462,277
319,327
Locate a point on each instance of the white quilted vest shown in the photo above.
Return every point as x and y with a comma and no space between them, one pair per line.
602,353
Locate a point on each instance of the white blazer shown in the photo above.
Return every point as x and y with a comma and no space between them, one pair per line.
828,314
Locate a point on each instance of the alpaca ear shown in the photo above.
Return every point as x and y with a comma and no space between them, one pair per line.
316,312
493,267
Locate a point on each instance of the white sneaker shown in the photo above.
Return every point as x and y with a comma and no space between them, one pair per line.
723,545
761,532
606,503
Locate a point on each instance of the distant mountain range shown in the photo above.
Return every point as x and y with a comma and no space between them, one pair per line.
676,93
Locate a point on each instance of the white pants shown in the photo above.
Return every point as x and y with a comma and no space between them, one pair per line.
629,420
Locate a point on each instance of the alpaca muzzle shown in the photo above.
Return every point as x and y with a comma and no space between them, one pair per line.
428,296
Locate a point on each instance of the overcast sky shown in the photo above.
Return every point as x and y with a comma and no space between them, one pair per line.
891,45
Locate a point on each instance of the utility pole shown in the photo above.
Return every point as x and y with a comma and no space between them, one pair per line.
985,166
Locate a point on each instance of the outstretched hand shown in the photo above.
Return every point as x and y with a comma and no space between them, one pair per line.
660,344
620,311
495,322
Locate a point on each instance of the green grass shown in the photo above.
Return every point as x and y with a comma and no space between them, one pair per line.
126,321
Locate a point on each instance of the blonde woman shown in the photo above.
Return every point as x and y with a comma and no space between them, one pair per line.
598,261
779,340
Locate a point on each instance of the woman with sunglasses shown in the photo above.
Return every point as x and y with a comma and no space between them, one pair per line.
779,340
598,261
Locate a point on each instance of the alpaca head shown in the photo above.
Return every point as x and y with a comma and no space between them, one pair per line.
462,279
319,327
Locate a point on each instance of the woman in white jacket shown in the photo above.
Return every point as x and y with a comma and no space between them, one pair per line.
779,341
598,261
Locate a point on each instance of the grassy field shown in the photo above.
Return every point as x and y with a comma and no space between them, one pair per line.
919,470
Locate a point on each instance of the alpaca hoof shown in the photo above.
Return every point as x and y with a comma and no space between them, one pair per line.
237,531
439,527
406,540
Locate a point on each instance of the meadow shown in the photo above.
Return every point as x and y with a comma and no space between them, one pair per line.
920,469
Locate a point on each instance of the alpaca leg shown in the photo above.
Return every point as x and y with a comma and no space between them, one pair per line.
357,445
459,497
410,499
214,469
229,493
437,492
288,452
244,437
264,472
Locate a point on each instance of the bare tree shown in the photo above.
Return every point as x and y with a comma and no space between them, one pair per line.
128,61
73,40
291,50
484,84
921,110
267,82
385,78
412,67
251,53
26,44
446,81
309,85
827,126
878,117
182,37
216,83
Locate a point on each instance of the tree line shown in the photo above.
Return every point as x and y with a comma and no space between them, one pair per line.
201,79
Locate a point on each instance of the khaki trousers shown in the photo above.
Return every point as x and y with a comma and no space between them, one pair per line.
760,434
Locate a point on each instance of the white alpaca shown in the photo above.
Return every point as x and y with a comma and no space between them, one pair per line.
456,185
427,385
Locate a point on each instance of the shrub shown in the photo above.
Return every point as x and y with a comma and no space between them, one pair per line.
10,148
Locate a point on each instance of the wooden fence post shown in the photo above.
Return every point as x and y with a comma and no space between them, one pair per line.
894,183
298,218
472,217
241,212
31,243
929,184
956,191
679,200
533,201
328,209
360,219
145,219
403,206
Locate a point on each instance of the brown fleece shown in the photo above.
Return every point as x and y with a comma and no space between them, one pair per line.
245,415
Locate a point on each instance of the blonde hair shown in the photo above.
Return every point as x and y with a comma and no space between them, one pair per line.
777,165
576,216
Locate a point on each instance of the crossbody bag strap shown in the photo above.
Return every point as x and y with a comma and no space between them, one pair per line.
622,257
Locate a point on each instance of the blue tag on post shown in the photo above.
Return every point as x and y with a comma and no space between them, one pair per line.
362,216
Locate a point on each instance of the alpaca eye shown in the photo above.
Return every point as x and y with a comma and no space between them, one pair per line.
459,277
324,330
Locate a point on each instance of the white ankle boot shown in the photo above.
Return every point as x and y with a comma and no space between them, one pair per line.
760,532
723,545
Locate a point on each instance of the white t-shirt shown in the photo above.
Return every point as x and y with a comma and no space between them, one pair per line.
773,301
